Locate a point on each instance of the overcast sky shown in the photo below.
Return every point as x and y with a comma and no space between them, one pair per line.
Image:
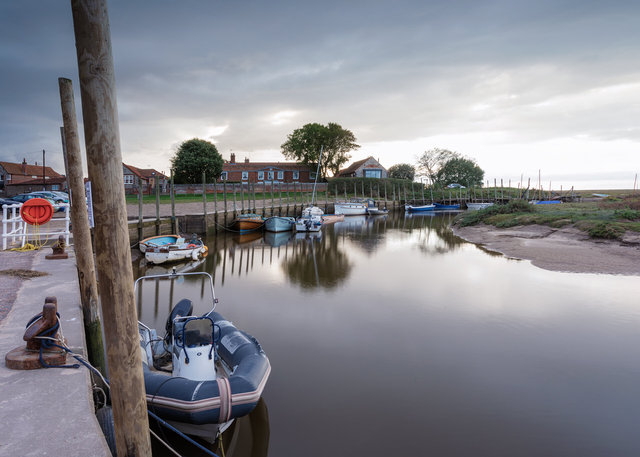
518,86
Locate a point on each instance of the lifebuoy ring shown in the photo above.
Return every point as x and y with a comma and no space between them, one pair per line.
192,246
36,211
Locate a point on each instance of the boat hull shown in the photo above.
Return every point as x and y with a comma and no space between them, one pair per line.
167,254
308,224
350,209
441,207
279,224
415,209
247,223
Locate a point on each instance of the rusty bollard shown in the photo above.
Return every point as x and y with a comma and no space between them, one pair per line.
58,250
28,357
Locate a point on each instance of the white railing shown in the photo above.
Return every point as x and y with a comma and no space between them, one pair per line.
16,231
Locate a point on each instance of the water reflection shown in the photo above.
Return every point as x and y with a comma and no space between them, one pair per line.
391,336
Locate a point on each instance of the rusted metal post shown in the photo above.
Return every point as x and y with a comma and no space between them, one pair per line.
81,231
115,273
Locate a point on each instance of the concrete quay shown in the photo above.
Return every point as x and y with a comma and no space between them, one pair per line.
45,412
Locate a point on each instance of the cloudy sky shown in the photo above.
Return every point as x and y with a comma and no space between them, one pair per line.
517,85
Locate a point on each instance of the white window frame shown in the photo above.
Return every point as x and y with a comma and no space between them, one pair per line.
224,175
128,180
281,175
245,175
376,170
270,175
296,175
261,176
312,175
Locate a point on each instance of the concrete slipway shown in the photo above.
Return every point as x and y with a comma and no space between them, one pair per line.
47,412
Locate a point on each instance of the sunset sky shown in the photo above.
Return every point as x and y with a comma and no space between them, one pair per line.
518,86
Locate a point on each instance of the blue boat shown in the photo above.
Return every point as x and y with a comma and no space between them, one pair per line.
417,208
547,202
279,224
441,207
157,241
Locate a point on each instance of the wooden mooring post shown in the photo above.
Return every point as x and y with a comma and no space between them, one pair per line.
81,231
204,202
113,254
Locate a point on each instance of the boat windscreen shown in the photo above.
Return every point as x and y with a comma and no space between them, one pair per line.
198,332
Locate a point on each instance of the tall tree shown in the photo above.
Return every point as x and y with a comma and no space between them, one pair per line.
192,158
461,171
430,162
304,145
402,171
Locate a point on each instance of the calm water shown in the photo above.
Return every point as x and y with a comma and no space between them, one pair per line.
390,336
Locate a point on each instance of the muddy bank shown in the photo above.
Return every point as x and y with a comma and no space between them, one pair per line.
565,249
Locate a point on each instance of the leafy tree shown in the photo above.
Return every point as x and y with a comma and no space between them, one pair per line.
304,145
431,161
402,171
192,158
460,170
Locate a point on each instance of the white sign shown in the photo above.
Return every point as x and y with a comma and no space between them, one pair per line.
87,190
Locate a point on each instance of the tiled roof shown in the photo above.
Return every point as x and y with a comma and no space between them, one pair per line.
145,173
353,167
38,181
256,166
30,170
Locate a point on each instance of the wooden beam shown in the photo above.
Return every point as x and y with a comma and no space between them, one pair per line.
115,273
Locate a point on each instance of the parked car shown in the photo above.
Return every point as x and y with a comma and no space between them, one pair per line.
24,197
51,195
6,201
455,185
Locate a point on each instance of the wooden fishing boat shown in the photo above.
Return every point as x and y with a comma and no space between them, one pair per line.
332,218
354,207
247,222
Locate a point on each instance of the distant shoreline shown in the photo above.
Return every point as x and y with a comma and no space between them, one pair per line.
564,249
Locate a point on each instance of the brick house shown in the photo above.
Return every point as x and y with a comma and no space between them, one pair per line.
278,172
17,178
147,176
366,168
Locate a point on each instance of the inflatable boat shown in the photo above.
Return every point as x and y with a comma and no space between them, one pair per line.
204,372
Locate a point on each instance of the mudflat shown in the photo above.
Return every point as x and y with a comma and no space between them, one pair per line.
559,249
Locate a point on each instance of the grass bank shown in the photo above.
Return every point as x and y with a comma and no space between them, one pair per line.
608,218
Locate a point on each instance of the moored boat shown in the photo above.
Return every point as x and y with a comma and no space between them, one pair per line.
332,218
443,207
161,240
351,208
417,208
309,224
193,249
217,372
279,224
247,222
477,206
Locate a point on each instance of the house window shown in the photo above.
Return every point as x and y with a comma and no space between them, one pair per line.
55,187
281,175
296,175
270,175
261,176
223,176
373,173
312,175
245,175
128,179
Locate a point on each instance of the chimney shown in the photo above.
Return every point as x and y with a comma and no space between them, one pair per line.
246,160
233,158
24,166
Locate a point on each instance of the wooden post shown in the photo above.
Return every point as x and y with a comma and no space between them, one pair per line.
272,213
113,254
140,209
172,191
157,205
242,197
81,231
204,202
280,196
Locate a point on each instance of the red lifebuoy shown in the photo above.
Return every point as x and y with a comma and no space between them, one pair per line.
36,211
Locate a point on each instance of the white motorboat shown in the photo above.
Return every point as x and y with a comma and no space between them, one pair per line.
477,206
193,249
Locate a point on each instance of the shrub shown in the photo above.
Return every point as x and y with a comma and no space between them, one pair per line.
606,231
628,214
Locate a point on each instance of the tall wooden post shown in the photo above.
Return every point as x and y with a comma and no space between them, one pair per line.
157,183
81,231
204,201
115,273
172,190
